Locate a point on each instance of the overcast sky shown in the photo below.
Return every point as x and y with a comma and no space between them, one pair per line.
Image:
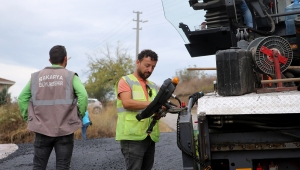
29,28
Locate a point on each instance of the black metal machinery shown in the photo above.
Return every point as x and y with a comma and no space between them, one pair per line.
243,125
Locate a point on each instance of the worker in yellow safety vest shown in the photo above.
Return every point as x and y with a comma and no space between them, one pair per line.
134,93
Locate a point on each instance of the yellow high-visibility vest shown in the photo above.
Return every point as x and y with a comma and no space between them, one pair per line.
128,127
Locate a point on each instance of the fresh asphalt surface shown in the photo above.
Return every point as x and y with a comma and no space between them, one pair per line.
103,153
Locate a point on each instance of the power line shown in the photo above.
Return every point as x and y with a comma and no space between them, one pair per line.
153,11
185,16
127,36
104,40
113,32
163,8
150,6
157,24
172,4
106,37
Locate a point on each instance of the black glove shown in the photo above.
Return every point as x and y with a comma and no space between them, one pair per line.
91,123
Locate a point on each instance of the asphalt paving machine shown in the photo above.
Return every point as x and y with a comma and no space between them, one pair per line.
251,120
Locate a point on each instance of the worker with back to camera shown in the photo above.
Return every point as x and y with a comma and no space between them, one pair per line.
134,93
49,103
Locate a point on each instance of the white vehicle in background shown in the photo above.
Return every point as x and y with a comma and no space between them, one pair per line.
94,105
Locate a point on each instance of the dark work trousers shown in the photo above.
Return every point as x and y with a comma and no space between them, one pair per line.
43,145
139,155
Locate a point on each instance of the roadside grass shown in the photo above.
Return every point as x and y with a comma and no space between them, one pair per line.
13,129
104,125
195,85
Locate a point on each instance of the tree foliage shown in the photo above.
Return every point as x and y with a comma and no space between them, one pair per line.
185,75
105,68
4,96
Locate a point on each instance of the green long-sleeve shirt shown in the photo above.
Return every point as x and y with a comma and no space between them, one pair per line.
25,95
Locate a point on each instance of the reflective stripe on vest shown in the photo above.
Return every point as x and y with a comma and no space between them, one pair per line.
131,83
67,100
121,109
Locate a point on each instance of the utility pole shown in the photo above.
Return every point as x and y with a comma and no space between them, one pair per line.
137,30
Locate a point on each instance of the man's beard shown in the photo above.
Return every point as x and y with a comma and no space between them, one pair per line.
143,76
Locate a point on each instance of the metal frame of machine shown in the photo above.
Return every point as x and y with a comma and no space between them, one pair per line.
258,128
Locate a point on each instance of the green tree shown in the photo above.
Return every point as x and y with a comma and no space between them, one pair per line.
185,75
105,68
4,96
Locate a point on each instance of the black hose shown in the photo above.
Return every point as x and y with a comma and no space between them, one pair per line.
191,103
172,104
195,97
276,128
258,31
178,100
